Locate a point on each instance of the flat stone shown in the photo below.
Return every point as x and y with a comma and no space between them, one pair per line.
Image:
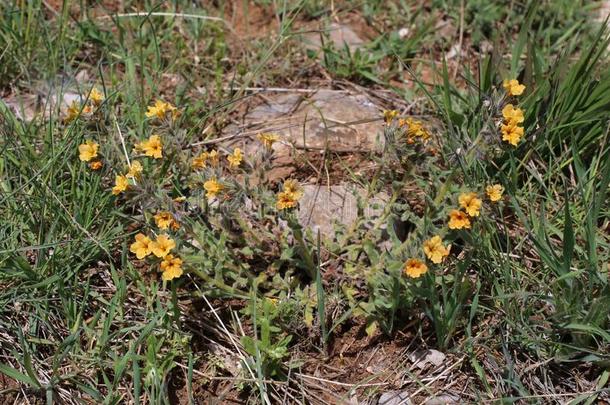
23,106
395,398
27,106
338,34
326,119
323,206
444,399
423,358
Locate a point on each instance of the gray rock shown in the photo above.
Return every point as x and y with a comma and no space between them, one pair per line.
323,206
327,119
444,399
423,358
395,398
339,34
27,106
23,106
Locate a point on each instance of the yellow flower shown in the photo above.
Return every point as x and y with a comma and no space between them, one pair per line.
160,110
171,267
151,147
164,219
214,158
471,203
88,151
134,170
494,192
513,88
141,247
212,188
120,184
73,111
512,133
290,195
96,96
286,200
294,188
414,268
268,139
199,161
416,130
162,245
235,158
512,114
434,249
389,115
458,220
96,165
180,199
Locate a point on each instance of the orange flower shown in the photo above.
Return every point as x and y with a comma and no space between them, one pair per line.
171,267
414,268
96,165
96,96
199,161
120,184
512,114
512,133
151,147
161,109
471,203
212,188
494,192
88,151
162,245
513,87
434,249
235,158
164,219
458,220
134,170
141,247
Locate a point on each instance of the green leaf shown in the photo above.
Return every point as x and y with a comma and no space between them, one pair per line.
16,375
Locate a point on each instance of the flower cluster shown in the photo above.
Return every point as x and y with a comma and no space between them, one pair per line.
165,220
75,109
202,160
511,128
268,139
434,249
171,266
290,195
87,152
162,110
414,129
211,160
513,87
152,147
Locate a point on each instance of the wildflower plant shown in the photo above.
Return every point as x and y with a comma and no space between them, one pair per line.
127,210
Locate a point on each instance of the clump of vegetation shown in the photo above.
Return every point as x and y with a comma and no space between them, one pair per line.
144,256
